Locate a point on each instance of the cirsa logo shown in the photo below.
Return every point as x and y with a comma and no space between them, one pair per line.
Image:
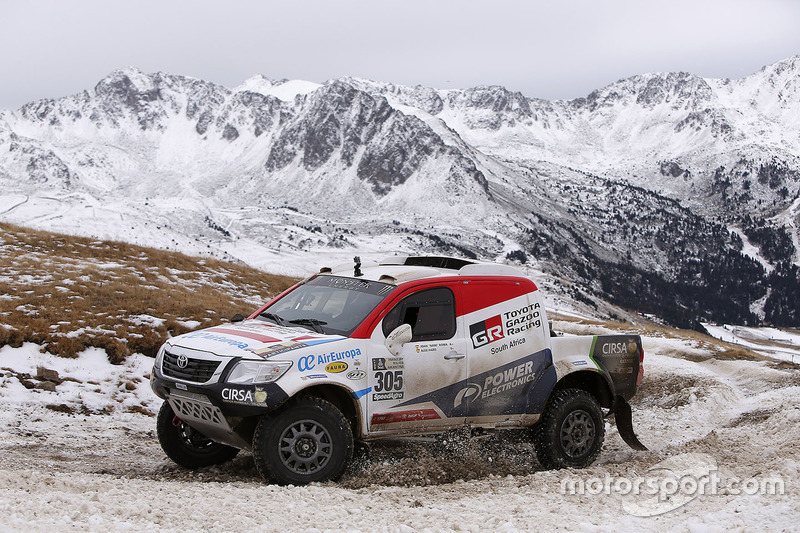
335,368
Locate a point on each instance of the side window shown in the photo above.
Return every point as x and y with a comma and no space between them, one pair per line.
430,313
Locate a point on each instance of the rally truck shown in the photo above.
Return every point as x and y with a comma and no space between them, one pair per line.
406,346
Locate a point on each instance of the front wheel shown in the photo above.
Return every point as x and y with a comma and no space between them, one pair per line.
187,446
571,430
310,440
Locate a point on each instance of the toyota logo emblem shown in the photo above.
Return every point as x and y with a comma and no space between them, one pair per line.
183,361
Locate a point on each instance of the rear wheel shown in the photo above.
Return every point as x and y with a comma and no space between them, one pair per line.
571,431
310,440
187,446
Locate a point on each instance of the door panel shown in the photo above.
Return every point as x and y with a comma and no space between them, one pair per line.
407,390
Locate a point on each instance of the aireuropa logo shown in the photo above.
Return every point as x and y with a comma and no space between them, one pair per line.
671,484
486,331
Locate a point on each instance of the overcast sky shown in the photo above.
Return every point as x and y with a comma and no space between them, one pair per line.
554,49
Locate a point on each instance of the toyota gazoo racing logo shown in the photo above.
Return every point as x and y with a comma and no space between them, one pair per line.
486,331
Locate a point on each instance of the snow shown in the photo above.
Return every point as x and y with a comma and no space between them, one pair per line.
750,250
85,456
101,469
285,90
776,343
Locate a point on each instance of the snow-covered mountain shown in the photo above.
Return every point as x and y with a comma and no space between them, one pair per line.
663,193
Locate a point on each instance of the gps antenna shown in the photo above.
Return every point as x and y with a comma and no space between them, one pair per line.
357,270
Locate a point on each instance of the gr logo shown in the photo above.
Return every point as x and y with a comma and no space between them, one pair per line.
486,331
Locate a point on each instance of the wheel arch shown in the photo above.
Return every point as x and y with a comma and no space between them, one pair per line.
342,398
594,383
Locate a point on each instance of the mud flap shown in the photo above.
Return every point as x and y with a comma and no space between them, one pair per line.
624,420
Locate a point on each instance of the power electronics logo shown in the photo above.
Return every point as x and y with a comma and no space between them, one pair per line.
489,330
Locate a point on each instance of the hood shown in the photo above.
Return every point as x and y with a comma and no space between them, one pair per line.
251,339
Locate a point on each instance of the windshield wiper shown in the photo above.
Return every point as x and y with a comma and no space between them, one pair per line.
275,318
313,322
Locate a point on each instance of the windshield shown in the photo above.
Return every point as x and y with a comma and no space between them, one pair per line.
328,304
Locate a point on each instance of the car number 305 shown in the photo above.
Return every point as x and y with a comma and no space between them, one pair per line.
389,380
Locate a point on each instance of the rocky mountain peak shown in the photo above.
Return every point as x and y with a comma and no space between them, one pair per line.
629,193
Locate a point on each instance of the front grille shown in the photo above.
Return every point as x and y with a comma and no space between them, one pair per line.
196,370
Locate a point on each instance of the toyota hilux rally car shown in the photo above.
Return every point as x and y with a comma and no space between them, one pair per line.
410,345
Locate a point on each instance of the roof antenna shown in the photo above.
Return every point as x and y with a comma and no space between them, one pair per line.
357,270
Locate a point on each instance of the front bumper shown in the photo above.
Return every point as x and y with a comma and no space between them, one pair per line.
222,412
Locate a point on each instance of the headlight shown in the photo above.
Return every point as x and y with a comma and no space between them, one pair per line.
258,372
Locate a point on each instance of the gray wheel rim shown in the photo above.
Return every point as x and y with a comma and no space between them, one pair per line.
577,433
305,447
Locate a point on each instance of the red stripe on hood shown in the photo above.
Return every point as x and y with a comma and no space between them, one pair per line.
249,335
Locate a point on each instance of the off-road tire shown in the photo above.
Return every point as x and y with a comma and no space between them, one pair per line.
571,430
187,446
308,440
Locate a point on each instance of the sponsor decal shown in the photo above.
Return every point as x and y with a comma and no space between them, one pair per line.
486,331
468,393
388,363
306,363
246,396
311,361
619,356
275,349
335,368
338,356
404,416
509,378
356,375
381,396
313,376
518,387
504,325
217,338
522,319
618,348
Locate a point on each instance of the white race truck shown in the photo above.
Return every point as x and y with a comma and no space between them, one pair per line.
410,345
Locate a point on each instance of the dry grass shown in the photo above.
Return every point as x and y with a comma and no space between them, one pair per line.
66,293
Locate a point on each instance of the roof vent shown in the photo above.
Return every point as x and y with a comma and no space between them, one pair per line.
450,263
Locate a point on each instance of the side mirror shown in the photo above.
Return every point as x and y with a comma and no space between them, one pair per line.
397,338
238,317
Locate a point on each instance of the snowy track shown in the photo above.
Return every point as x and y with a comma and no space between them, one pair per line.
74,472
